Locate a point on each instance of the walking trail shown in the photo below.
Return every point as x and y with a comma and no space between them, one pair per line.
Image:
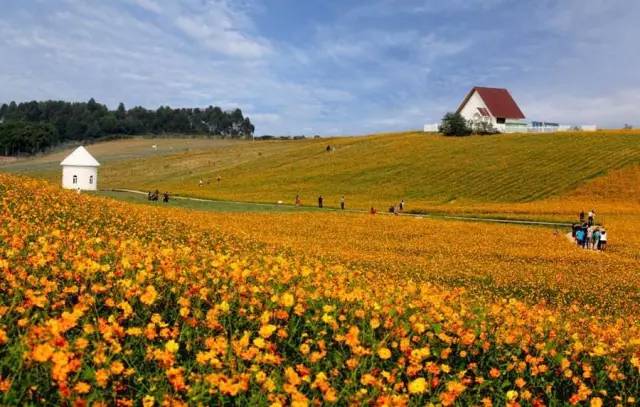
426,215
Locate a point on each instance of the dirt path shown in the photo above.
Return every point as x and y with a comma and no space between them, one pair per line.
426,215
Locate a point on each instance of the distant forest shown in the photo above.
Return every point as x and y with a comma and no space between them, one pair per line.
31,127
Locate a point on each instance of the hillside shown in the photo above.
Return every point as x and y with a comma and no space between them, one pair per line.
425,170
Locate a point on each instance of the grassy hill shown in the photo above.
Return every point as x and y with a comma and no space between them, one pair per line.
373,170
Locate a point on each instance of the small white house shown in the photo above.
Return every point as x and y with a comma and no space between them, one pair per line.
80,171
493,106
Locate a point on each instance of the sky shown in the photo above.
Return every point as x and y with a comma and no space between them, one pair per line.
328,67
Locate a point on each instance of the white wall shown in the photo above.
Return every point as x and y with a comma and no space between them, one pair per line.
83,179
471,108
431,127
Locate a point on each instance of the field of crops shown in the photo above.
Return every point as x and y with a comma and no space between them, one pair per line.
379,170
113,303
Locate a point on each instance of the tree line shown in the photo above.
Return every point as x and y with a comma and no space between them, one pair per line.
31,127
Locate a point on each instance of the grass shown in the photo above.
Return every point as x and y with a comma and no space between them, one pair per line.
378,170
204,205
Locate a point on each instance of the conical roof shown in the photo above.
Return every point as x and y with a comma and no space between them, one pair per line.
80,157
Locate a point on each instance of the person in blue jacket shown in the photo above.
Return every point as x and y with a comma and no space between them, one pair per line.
580,237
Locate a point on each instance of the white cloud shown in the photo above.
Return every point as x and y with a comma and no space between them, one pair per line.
218,34
149,5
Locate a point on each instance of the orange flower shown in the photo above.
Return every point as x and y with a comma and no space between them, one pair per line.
82,388
149,296
117,367
42,353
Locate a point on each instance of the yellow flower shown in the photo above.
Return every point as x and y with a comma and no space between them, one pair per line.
304,349
259,343
595,402
171,346
287,300
223,306
384,353
418,386
375,322
148,401
149,296
512,395
267,330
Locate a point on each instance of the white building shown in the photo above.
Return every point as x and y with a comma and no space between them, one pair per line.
80,171
432,127
495,107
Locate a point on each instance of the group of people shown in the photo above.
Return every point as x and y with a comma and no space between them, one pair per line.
298,201
155,196
202,182
395,209
587,234
321,201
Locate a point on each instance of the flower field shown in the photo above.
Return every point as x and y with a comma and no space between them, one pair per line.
108,303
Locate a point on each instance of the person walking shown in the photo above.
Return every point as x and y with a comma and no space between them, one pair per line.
342,202
592,215
320,201
298,200
603,240
402,204
581,217
165,197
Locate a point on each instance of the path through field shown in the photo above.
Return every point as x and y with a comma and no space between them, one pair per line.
239,206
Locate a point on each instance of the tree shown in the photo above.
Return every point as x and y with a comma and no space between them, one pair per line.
61,121
453,124
121,112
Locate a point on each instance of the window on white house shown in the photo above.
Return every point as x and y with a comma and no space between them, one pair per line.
500,120
75,179
90,179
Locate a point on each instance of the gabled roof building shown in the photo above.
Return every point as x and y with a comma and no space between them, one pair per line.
494,106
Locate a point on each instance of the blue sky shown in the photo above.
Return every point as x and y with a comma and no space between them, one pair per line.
328,67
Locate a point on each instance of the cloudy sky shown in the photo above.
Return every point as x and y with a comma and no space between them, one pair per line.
328,66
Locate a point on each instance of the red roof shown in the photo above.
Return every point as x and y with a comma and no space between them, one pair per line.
498,101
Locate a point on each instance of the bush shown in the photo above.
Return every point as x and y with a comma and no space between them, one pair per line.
453,124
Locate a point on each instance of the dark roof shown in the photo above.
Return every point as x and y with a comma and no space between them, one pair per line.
498,101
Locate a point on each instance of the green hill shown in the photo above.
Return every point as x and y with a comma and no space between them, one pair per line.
371,170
